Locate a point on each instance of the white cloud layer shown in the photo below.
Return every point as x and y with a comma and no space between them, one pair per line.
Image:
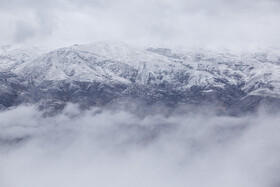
169,22
119,149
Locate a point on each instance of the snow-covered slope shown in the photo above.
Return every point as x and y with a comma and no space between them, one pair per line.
11,57
251,73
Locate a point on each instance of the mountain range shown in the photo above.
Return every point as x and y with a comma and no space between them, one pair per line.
107,74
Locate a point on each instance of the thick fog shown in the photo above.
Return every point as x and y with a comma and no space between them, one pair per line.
226,23
105,148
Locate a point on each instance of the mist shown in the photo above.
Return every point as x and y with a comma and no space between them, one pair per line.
217,23
118,148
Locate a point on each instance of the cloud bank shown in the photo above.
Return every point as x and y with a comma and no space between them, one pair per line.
165,22
105,148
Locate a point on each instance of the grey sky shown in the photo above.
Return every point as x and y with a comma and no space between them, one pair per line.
181,22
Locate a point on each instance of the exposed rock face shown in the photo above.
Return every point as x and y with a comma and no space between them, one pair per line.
104,74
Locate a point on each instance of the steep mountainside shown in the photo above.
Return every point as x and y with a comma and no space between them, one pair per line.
101,74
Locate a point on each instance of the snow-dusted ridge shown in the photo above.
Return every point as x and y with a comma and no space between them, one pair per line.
251,73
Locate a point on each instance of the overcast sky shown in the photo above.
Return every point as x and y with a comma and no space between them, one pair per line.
237,23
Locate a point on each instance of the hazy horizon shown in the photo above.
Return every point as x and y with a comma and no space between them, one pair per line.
219,23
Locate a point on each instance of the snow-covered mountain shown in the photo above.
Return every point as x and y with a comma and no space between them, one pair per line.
102,73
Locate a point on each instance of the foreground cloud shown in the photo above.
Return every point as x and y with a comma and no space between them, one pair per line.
105,148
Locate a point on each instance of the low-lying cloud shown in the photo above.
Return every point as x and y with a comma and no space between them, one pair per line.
106,148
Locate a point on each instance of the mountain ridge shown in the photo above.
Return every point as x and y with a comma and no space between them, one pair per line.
102,73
